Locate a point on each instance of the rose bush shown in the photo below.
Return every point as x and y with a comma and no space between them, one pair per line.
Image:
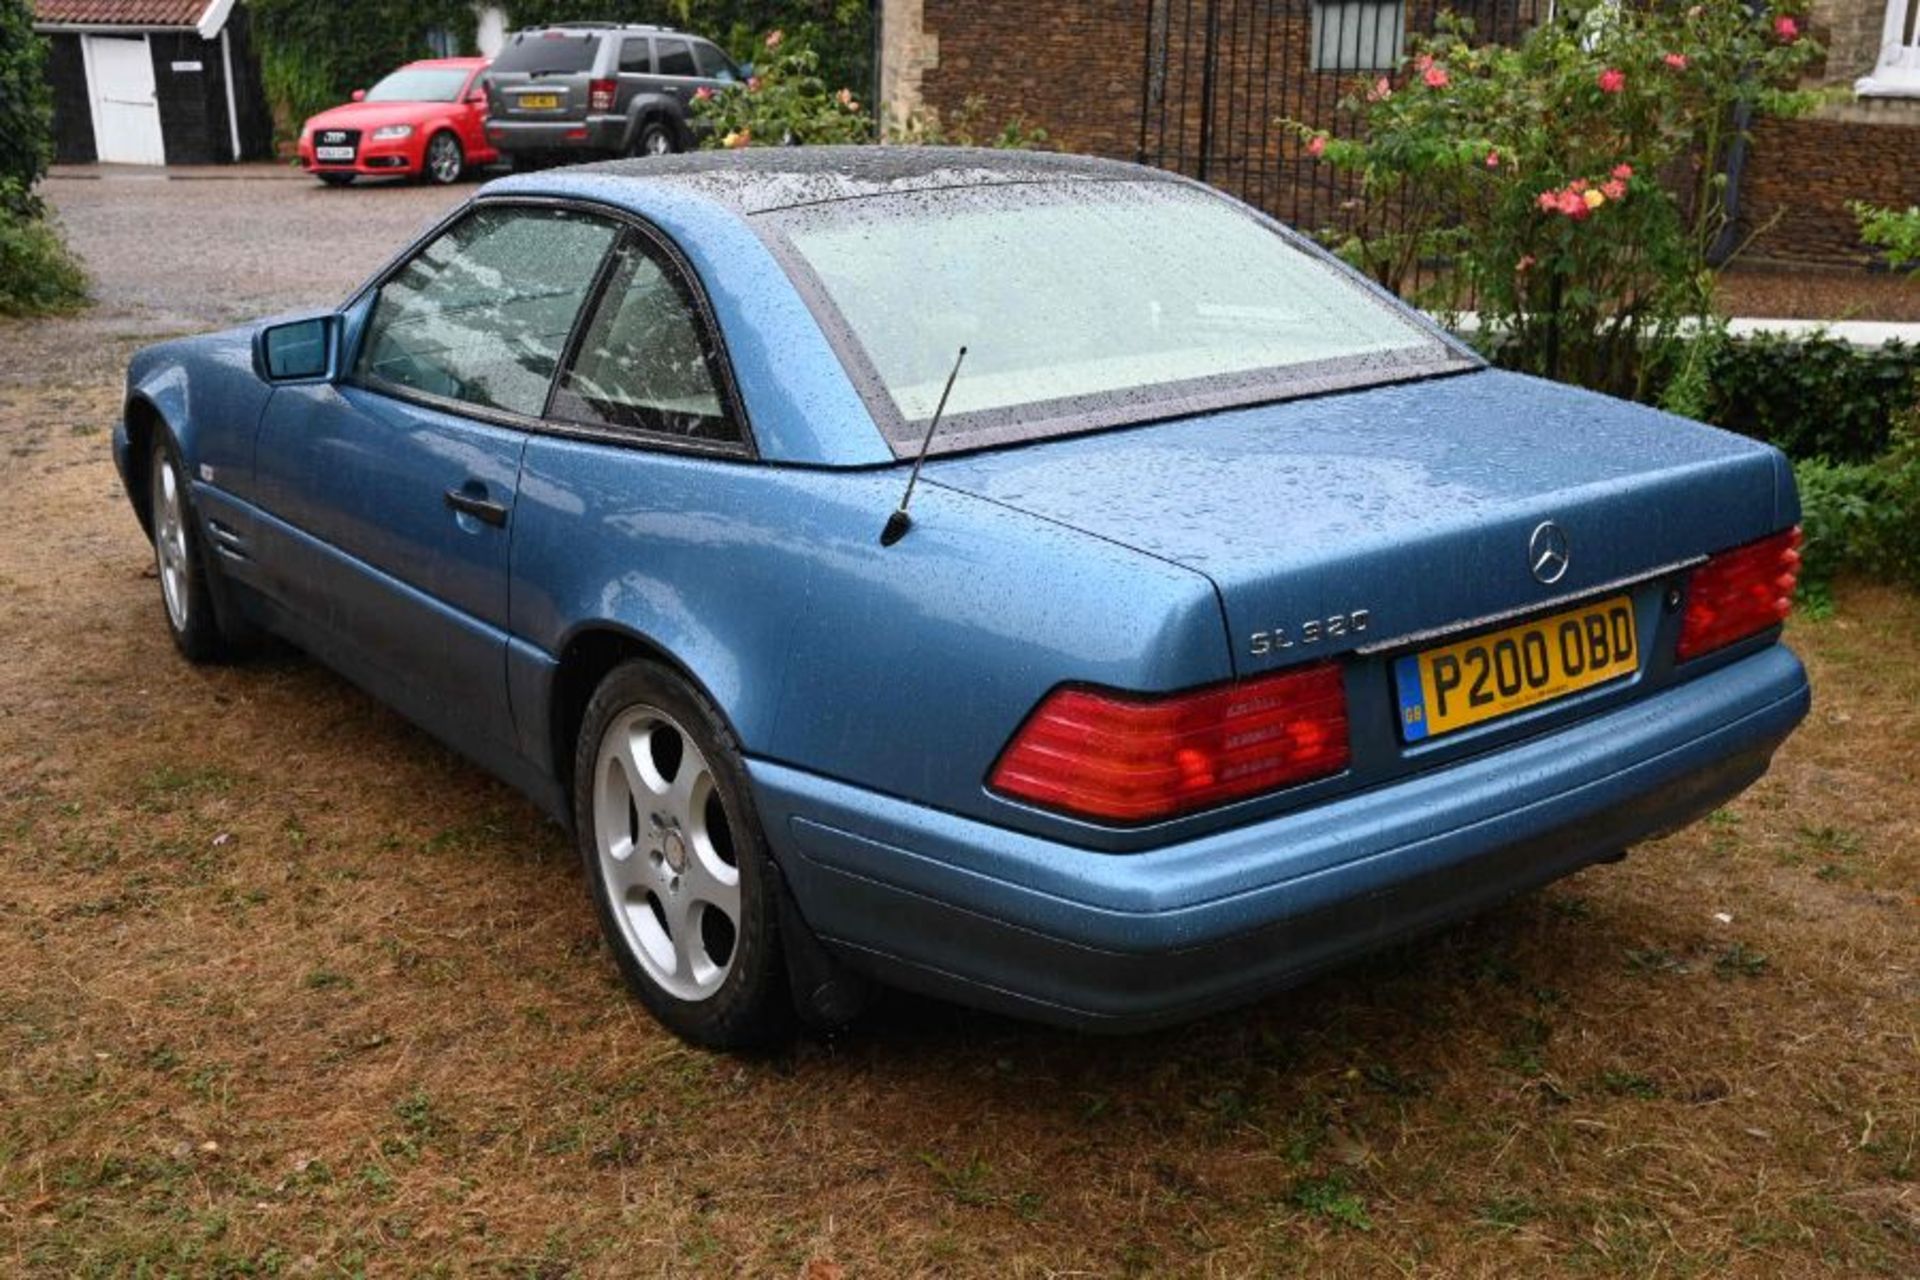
1571,185
785,102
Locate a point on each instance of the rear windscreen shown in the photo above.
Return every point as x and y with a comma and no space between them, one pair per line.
548,53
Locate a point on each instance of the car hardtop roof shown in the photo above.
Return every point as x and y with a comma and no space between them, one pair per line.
462,63
763,179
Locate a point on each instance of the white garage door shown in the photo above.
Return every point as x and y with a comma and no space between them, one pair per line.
126,115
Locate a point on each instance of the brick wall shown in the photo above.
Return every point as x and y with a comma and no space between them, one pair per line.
1850,30
1803,173
1070,66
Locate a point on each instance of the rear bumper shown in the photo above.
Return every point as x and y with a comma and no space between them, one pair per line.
596,135
1120,942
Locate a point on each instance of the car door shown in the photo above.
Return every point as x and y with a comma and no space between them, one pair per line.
392,489
471,115
674,69
635,505
636,71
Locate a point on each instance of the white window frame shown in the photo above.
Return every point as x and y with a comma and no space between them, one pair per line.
1896,74
1353,36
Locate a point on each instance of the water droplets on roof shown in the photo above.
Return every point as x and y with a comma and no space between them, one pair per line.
762,179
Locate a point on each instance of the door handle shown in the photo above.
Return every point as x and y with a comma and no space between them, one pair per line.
483,509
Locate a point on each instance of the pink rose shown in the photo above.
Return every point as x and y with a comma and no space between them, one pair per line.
1317,145
1422,62
774,38
702,94
1493,159
1548,201
1678,61
1381,91
1614,190
1436,77
1612,80
1623,171
1578,185
1787,29
1574,205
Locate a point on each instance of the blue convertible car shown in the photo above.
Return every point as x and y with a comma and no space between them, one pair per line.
1238,621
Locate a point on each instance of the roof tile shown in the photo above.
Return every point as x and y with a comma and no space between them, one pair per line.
127,13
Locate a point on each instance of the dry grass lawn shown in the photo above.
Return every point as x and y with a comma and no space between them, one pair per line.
285,988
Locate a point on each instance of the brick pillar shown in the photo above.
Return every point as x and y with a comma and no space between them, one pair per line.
907,51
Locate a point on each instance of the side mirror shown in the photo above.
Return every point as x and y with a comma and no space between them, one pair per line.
478,98
359,95
299,350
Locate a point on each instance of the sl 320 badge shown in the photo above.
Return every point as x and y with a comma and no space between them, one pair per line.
1312,631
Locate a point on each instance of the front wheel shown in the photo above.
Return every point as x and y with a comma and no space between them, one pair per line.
676,860
445,161
184,590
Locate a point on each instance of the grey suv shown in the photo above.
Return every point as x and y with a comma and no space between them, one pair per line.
591,89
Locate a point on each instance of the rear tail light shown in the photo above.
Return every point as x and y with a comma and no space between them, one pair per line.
600,94
1740,593
1122,757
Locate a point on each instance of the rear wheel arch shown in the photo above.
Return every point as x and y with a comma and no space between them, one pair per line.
650,114
586,658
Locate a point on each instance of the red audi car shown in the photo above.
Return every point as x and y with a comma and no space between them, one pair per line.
426,120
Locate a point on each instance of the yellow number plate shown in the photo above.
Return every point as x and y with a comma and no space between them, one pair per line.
539,101
1522,666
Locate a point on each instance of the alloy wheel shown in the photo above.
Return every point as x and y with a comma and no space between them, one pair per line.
443,158
666,853
170,540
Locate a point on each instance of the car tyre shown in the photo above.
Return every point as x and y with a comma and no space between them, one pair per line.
336,179
675,858
179,557
445,161
656,139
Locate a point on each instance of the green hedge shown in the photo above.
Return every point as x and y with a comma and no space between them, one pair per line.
26,109
313,55
1862,516
1816,397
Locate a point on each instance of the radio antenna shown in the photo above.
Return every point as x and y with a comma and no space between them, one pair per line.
899,522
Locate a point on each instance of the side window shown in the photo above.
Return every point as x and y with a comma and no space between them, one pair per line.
713,63
483,313
646,361
676,58
636,57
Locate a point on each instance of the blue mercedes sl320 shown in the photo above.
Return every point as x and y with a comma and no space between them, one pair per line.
1212,619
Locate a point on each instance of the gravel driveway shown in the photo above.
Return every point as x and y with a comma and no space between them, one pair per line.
197,249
